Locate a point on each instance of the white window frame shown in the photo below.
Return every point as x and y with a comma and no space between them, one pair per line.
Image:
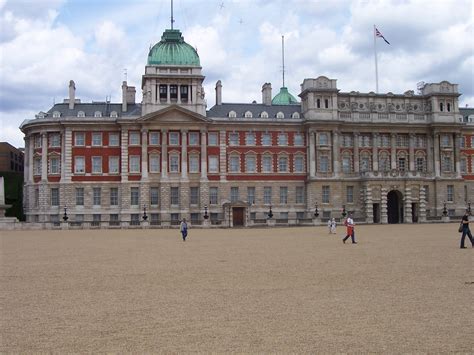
174,163
282,139
214,141
234,164
79,139
267,158
250,163
250,139
194,163
299,164
134,164
154,138
114,161
213,163
55,140
234,139
79,165
54,168
266,139
193,138
96,139
173,138
133,138
155,161
114,139
96,164
298,140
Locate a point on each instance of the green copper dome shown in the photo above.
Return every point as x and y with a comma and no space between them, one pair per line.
172,50
284,98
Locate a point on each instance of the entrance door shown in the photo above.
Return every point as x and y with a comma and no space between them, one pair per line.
394,208
376,212
238,216
414,212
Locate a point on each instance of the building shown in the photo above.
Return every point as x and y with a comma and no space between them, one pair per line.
390,158
11,158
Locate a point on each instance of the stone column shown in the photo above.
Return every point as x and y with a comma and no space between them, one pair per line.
312,157
154,91
429,151
412,152
407,209
144,154
179,94
203,155
375,152
30,153
26,160
457,154
335,154
437,165
383,206
393,151
63,155
422,216
164,154
44,156
184,154
369,210
356,152
168,97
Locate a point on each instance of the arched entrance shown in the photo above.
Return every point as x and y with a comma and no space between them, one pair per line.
394,207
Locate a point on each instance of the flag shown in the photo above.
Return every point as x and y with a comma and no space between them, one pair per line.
378,34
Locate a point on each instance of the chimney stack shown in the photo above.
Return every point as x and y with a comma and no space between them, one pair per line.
72,94
124,96
218,93
267,94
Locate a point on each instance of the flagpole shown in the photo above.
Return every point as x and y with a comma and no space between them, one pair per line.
376,67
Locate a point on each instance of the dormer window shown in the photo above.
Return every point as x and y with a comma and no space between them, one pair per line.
56,114
295,115
81,114
97,114
280,115
41,115
264,114
113,114
248,114
232,114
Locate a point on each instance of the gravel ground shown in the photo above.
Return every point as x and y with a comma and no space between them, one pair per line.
403,288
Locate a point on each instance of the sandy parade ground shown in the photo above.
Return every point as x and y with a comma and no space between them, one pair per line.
403,288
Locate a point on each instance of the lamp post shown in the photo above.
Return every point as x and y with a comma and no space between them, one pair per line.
270,213
316,212
65,217
445,211
145,217
206,215
344,213
469,208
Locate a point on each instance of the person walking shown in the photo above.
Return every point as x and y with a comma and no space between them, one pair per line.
329,226
333,226
350,229
183,228
466,230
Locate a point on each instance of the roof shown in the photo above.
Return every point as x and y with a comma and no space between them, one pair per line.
256,109
284,97
89,109
173,50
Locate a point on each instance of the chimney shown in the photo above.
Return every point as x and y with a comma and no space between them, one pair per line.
131,95
72,94
267,94
124,96
218,93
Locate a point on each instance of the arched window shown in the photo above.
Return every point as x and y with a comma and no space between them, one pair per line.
384,161
81,114
295,115
448,107
232,114
56,114
280,115
264,114
420,162
283,164
441,106
97,114
402,161
326,103
248,114
346,162
113,114
365,162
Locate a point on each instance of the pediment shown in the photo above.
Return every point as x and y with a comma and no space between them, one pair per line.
174,115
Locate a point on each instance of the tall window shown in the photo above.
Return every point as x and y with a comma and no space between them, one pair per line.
325,194
213,164
300,194
350,194
174,92
347,140
174,138
39,142
37,166
267,164
250,138
298,139
54,165
193,138
134,138
55,140
79,196
114,165
346,165
462,142
96,139
420,164
447,164
420,141
194,163
324,164
234,194
154,138
114,139
134,164
283,195
233,139
96,165
299,164
79,165
283,164
450,193
163,92
323,139
402,140
267,195
282,139
365,141
194,192
251,195
174,196
213,138
79,139
54,196
365,163
384,162
463,165
154,163
114,196
250,163
445,141
384,141
96,196
234,164
184,93
266,139
174,163
213,195
154,196
401,163
134,196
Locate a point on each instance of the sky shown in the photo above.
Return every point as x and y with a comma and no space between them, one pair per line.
46,43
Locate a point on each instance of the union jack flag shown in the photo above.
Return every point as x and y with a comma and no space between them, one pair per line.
379,34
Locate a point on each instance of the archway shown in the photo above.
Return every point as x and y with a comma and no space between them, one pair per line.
394,207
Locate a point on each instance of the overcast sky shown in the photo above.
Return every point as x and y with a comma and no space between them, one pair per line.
45,43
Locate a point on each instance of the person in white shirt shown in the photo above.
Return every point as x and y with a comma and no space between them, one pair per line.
350,229
333,226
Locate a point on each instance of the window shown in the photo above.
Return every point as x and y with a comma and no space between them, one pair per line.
134,164
232,114
251,195
96,165
193,138
96,139
420,141
298,139
365,141
97,114
325,195
248,114
267,195
264,114
79,196
54,165
134,196
445,140
324,164
213,164
326,103
448,106
280,115
318,103
155,219
175,196
282,139
295,115
283,164
194,163
38,141
154,196
79,165
283,195
441,106
234,164
365,163
350,194
267,164
36,197
450,193
384,141
114,219
174,138
134,219
154,163
54,196
37,166
213,195
81,114
56,114
79,139
213,138
114,114
384,162
163,92
134,138
463,165
402,140
347,140
300,194
447,165
234,194
184,93
250,138
420,164
174,92
323,139
96,196
266,139
114,165
194,192
233,139
96,218
401,163
114,196
175,219
299,164
114,139
250,165
346,165
462,142
174,163
55,140
154,138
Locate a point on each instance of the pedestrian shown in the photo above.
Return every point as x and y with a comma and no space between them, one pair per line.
333,226
350,229
183,228
329,226
466,230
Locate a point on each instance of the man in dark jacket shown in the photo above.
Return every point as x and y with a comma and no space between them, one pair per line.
466,230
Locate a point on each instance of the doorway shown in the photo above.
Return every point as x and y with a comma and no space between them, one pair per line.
238,216
394,207
376,212
414,212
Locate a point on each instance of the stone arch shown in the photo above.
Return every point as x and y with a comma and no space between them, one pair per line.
394,207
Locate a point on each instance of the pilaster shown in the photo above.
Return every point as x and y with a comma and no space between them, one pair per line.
335,153
124,155
203,155
312,154
375,152
383,206
356,152
437,165
44,156
412,152
407,208
393,151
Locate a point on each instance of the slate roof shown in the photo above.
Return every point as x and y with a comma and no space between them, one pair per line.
222,111
90,108
465,112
